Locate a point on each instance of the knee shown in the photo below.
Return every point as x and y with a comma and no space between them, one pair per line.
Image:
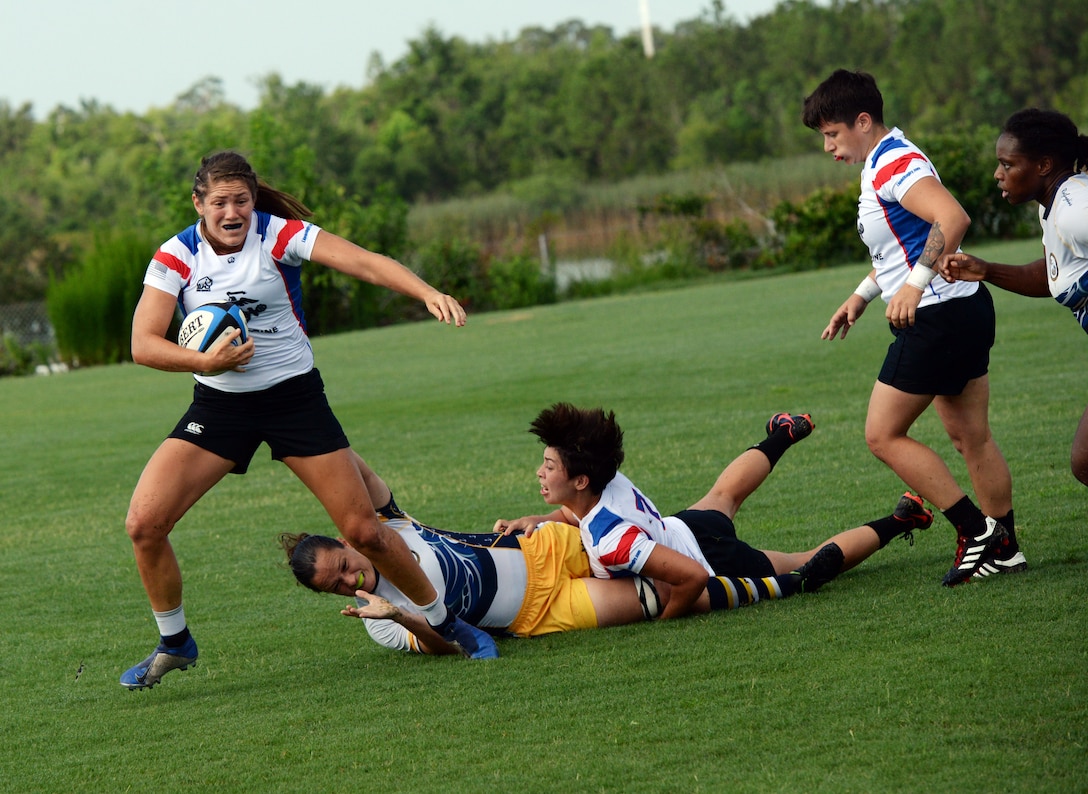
366,534
144,528
878,443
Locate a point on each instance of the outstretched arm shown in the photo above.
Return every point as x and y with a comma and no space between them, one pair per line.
1029,279
347,257
377,608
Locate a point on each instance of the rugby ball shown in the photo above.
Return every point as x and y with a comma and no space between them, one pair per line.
207,324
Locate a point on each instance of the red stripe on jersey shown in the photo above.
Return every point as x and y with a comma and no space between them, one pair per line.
173,263
284,237
894,168
622,554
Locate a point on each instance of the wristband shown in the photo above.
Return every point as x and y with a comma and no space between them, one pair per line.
868,289
920,276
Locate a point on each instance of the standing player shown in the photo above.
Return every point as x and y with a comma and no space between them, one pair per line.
624,533
1042,157
248,248
943,332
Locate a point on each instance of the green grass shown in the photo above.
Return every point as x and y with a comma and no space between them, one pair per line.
884,681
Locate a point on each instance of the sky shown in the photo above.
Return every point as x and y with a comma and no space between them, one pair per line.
133,55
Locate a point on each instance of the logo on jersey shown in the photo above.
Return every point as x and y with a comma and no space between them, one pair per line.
204,285
195,428
250,307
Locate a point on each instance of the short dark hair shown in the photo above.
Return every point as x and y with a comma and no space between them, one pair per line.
588,440
1048,133
842,97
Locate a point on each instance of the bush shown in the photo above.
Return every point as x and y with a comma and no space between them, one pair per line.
91,308
819,231
518,282
966,161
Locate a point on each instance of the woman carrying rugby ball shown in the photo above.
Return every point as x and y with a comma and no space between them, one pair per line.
248,248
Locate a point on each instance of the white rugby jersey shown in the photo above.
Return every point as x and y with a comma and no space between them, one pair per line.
624,527
264,279
482,585
894,236
1065,246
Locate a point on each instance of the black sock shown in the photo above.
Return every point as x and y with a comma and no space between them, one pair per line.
775,445
966,518
176,640
1009,522
888,529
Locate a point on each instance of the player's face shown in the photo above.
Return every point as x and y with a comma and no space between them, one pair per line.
343,571
227,211
1017,175
556,486
847,144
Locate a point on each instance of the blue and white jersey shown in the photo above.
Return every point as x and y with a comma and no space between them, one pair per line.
264,279
894,236
1065,246
484,585
624,527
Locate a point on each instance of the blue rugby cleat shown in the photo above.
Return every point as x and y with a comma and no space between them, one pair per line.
161,661
475,644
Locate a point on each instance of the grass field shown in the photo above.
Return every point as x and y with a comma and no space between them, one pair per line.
883,681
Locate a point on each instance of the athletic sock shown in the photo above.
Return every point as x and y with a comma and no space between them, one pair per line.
438,617
391,510
173,629
1009,522
966,518
728,592
775,445
888,529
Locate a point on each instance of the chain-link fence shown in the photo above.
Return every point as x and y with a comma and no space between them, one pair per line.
28,323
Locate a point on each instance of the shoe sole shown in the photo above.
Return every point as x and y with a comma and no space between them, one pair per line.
1016,564
135,687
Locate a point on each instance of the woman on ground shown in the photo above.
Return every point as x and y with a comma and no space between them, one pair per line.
943,331
247,248
1042,157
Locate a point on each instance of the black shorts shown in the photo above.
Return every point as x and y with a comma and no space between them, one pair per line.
292,417
948,345
727,555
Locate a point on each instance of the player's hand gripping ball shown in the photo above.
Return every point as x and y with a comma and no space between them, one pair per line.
207,324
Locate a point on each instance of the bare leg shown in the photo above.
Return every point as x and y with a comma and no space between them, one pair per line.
1079,458
338,483
375,486
177,475
891,414
966,420
739,480
615,601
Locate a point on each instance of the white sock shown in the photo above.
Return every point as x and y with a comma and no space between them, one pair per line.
172,622
434,612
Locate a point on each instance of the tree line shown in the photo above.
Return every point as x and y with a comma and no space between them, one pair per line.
576,104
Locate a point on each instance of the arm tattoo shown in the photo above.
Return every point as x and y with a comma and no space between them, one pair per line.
934,246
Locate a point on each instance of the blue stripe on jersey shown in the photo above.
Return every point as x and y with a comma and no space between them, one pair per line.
190,239
263,219
887,146
469,573
603,523
911,231
292,280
